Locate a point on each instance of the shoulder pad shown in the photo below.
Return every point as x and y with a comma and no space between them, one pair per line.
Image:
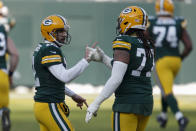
179,18
51,54
120,42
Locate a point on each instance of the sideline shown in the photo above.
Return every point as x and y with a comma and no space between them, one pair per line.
25,92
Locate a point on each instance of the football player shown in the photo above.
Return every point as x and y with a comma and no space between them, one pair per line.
51,74
7,47
167,31
130,79
8,21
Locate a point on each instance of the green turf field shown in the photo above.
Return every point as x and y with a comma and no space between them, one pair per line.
23,118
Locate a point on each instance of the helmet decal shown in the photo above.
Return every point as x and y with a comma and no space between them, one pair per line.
127,10
47,22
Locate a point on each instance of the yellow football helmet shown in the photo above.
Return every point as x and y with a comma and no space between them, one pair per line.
164,7
1,4
132,17
51,24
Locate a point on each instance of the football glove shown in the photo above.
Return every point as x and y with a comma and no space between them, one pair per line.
104,58
91,111
99,55
94,55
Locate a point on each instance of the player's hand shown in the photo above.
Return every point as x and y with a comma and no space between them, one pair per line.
96,54
89,52
100,51
91,111
79,100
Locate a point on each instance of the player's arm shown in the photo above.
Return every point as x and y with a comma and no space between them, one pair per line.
99,55
75,97
14,57
67,75
121,60
188,46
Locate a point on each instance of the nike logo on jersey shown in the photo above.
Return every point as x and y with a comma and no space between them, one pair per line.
54,52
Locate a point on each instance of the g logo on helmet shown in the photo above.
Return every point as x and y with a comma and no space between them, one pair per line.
127,10
47,22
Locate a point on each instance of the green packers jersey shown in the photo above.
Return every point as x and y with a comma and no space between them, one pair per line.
136,88
167,33
3,47
48,88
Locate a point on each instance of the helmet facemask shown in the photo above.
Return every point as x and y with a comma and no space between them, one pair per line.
118,29
61,36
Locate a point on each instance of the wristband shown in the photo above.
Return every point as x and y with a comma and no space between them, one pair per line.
10,73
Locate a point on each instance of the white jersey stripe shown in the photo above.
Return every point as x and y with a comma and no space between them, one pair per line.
54,58
161,5
58,117
116,121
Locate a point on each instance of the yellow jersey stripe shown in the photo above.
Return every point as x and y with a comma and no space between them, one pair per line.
51,56
51,60
121,44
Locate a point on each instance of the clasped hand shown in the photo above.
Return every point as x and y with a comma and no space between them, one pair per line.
94,54
91,111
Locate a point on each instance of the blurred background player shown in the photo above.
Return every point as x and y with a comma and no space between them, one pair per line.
130,79
167,31
7,68
51,74
5,19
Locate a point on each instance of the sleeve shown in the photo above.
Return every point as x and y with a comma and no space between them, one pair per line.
69,92
51,56
120,43
66,75
118,72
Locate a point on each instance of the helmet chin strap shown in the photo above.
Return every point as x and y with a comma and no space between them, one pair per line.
58,43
